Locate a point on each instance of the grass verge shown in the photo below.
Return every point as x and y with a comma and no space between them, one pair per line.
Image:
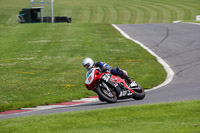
112,11
180,117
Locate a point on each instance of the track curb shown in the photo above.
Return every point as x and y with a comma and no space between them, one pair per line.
52,106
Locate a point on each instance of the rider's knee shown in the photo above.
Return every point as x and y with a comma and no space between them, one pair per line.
118,72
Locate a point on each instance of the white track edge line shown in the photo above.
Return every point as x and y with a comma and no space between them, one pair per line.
47,107
170,72
191,23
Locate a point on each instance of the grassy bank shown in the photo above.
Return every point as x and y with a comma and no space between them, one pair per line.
181,117
111,11
45,66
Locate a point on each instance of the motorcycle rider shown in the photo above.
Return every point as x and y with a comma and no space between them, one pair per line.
88,63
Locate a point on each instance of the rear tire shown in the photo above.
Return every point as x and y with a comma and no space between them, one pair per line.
110,98
139,93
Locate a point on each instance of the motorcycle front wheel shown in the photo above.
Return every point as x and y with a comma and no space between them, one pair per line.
106,94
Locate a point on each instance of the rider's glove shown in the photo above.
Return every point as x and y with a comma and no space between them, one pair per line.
119,70
104,68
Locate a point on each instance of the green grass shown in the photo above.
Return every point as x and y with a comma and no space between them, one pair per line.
41,63
180,117
111,11
45,66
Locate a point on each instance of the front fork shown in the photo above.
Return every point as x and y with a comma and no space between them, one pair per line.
107,90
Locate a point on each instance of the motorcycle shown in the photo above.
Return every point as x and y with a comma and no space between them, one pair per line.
111,88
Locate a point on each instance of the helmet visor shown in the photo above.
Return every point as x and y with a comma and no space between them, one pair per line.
87,66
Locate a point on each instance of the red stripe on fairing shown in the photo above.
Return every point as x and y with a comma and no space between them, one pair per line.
131,90
13,112
118,80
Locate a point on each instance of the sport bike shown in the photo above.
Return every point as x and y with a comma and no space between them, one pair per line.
111,88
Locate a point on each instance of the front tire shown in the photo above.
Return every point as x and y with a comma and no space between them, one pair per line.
106,94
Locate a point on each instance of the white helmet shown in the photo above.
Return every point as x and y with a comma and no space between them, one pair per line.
88,63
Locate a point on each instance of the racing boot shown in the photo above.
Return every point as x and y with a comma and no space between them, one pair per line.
130,82
133,85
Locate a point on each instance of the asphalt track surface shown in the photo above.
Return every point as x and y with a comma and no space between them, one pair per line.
178,45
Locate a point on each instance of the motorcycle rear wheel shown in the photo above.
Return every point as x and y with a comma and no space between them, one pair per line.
139,93
109,97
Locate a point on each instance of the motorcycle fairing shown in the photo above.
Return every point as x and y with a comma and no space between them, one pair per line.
92,78
115,82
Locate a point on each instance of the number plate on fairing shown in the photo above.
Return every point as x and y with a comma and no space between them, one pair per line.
106,77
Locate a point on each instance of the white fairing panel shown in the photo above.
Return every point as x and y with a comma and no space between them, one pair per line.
89,76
